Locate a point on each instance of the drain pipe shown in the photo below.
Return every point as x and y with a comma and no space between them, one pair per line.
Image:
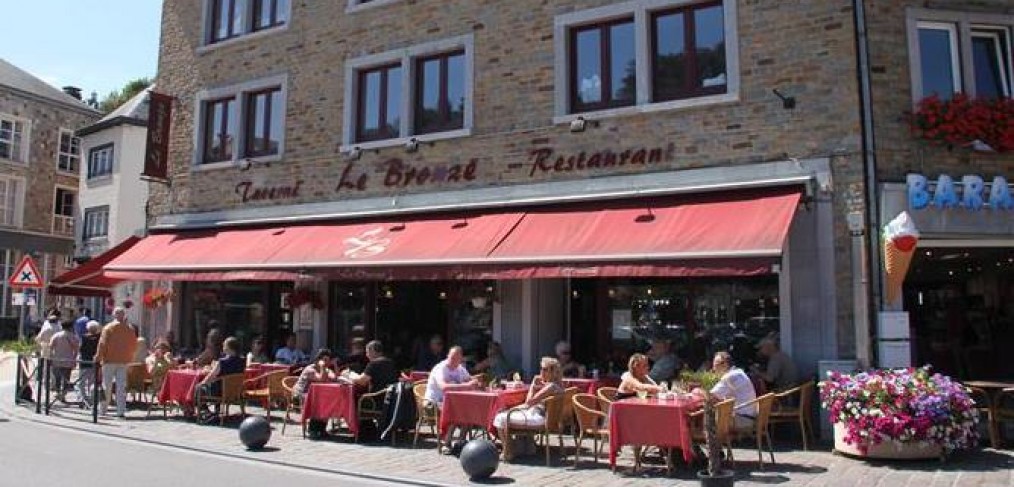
871,269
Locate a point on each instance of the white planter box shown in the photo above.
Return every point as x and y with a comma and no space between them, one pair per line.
888,449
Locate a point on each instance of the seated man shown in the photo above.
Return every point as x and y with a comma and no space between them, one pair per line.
780,373
230,364
380,372
734,384
664,362
290,354
570,368
448,375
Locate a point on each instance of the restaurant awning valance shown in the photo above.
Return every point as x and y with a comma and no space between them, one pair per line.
88,279
715,234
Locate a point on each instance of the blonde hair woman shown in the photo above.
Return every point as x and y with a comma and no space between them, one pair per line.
548,383
636,378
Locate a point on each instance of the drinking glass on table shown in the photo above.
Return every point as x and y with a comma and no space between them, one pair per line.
642,394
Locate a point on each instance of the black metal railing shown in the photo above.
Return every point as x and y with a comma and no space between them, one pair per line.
35,368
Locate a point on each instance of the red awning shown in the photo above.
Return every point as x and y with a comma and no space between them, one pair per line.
87,279
716,234
263,253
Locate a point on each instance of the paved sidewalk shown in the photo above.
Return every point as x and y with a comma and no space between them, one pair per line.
423,466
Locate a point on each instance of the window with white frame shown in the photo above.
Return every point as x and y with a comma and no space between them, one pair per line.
10,201
69,152
424,91
241,122
100,161
954,52
13,139
96,223
646,55
230,19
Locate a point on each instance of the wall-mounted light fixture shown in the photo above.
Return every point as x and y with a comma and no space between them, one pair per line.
412,145
579,124
355,153
788,102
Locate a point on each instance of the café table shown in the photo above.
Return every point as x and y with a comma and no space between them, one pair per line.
992,389
326,401
476,409
416,375
254,371
651,422
178,387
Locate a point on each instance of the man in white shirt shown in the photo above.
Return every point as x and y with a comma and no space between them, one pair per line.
49,328
447,375
734,384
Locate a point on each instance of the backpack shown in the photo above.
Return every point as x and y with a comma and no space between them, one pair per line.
399,409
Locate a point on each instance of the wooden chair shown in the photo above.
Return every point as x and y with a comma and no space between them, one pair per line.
800,413
590,422
1003,411
723,426
292,401
231,395
424,416
607,394
559,419
759,430
371,406
272,392
138,382
984,405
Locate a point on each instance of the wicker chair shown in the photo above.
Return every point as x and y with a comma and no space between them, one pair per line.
759,430
371,406
799,414
607,394
138,382
723,426
231,394
272,392
424,416
292,401
559,419
590,422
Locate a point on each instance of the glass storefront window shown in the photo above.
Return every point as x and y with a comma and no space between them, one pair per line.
699,316
239,309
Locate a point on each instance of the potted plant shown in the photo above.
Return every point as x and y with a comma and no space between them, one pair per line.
713,475
899,414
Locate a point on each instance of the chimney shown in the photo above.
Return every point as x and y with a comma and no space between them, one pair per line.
73,91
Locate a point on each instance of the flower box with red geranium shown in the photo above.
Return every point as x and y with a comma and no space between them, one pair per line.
982,124
905,413
156,297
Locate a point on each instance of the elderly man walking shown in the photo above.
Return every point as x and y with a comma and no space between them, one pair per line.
116,349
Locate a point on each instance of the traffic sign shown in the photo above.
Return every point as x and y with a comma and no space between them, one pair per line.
26,274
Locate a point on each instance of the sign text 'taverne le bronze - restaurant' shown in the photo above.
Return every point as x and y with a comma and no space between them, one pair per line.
397,173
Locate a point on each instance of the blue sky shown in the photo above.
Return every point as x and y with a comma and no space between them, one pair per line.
97,45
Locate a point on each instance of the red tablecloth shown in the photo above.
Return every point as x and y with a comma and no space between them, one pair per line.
586,385
332,401
415,375
477,408
651,422
257,370
178,386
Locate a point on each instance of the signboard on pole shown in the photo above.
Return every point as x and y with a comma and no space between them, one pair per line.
156,153
26,274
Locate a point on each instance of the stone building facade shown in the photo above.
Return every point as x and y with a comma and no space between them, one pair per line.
956,297
39,159
519,130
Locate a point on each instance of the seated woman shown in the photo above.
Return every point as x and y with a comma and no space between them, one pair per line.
319,371
636,378
257,353
158,363
532,413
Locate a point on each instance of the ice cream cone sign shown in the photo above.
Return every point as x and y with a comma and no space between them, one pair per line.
900,240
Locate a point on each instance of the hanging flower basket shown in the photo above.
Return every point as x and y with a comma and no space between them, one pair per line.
305,296
157,297
980,124
905,413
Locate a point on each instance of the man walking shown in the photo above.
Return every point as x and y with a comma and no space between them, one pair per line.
116,349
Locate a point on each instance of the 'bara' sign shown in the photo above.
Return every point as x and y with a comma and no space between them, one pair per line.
975,194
